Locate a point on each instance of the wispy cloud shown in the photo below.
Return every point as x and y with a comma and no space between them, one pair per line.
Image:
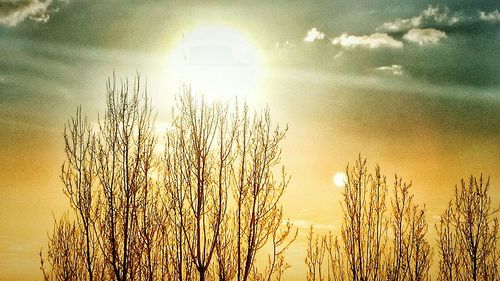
425,36
314,34
307,224
395,69
432,16
401,24
440,15
284,45
13,12
436,16
375,40
338,55
491,17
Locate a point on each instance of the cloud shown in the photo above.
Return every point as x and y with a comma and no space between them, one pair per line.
433,15
314,34
401,24
13,12
307,224
491,17
376,40
438,15
284,45
424,36
338,55
395,69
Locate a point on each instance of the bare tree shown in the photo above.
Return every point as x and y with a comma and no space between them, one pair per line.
65,253
468,234
152,242
363,232
123,162
364,227
363,253
315,256
107,178
281,239
447,246
213,150
324,258
78,177
133,221
176,209
199,157
411,254
226,251
258,215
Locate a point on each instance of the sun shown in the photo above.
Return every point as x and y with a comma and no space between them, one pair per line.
339,179
217,61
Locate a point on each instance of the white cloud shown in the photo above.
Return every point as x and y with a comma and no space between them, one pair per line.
401,24
439,15
395,69
13,12
431,16
424,36
372,41
314,34
492,16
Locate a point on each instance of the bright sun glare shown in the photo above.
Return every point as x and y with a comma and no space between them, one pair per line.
339,179
218,62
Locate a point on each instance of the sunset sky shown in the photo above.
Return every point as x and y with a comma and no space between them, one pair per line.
411,85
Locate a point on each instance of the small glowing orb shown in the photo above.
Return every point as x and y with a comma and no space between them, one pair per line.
339,179
217,61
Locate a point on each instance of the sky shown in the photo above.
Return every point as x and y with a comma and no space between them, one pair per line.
411,85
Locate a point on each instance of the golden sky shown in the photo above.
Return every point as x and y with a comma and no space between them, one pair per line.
414,87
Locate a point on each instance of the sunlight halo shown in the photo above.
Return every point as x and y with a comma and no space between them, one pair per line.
217,61
339,179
